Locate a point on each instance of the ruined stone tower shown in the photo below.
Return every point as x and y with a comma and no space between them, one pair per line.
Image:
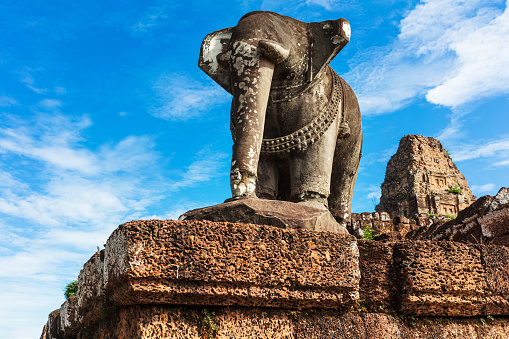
422,179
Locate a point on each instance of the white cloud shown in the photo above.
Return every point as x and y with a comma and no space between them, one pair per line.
74,196
207,166
185,98
375,194
7,101
66,199
50,104
327,4
175,213
482,68
53,141
154,17
485,149
452,52
371,197
379,157
7,180
128,155
298,7
29,81
478,189
455,129
60,90
55,216
71,184
23,317
35,263
502,163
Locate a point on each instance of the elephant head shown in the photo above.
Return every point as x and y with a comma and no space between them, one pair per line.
267,57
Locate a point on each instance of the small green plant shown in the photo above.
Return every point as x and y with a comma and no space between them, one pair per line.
368,233
450,216
454,189
208,320
358,307
71,289
431,215
490,318
450,156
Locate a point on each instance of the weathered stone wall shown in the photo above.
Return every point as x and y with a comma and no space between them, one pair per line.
200,279
486,221
418,178
383,227
174,322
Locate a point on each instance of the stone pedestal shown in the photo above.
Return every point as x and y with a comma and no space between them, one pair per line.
210,263
277,213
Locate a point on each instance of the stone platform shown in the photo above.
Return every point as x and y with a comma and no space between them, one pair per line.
185,322
277,213
203,279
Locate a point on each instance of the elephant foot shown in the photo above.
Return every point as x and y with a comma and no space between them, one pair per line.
243,184
314,200
241,197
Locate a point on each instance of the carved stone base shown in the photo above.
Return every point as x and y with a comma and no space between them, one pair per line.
199,322
277,213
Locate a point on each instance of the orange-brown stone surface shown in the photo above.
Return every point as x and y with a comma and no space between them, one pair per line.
442,279
377,285
212,263
201,279
171,322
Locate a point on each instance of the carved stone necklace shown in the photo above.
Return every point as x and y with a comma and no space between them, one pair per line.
309,134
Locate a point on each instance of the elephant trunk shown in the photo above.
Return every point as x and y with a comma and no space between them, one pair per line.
252,67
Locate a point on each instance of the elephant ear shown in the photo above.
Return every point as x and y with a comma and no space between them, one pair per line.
214,57
329,37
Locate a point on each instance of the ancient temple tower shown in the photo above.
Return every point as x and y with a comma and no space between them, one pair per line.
422,179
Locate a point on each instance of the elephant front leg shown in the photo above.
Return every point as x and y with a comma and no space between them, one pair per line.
251,78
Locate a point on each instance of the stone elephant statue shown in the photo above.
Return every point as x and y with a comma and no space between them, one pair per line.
296,125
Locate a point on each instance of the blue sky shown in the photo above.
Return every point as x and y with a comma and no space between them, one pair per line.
105,116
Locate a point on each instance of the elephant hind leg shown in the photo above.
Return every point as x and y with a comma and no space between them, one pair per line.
344,174
283,188
273,181
346,159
